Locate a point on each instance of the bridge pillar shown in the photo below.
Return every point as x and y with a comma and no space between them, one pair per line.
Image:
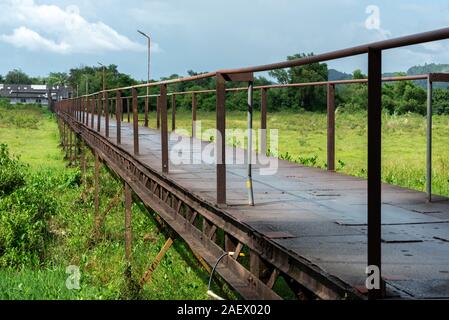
128,226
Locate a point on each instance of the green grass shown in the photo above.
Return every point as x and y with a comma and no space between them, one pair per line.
101,262
303,135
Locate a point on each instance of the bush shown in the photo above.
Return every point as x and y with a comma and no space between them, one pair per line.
24,223
12,172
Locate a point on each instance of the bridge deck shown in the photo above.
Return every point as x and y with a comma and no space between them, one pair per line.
321,217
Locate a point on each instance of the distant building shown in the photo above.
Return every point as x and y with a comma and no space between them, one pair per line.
38,94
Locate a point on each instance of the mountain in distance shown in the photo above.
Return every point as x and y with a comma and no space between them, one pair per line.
335,75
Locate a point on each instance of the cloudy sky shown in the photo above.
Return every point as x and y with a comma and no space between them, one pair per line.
39,36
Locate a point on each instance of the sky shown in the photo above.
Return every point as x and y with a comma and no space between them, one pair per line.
42,36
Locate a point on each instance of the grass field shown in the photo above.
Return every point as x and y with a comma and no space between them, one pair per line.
302,138
31,132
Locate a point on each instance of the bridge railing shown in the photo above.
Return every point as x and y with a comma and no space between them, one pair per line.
97,103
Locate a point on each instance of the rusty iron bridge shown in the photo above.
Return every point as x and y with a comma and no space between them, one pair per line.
316,228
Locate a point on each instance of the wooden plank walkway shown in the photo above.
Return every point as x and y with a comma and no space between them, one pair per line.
321,216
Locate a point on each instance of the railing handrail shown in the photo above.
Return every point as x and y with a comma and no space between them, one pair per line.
288,85
423,37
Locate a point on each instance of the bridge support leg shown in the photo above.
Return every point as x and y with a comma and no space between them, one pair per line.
128,228
97,189
70,146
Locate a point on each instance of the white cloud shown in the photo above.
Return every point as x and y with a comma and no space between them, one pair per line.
66,31
25,38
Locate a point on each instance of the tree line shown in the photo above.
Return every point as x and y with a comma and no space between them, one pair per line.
397,97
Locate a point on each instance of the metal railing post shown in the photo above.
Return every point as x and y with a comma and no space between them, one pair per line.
429,139
221,139
135,121
118,116
173,112
263,121
374,166
330,127
146,111
164,127
194,100
99,113
106,113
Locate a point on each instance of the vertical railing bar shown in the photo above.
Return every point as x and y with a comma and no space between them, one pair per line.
374,166
330,127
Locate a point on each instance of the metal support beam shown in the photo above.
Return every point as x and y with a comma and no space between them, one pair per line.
429,139
128,221
263,121
374,164
331,127
97,186
135,122
221,139
147,276
164,127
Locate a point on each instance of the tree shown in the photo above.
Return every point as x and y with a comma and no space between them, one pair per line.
58,79
311,97
1,78
17,76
